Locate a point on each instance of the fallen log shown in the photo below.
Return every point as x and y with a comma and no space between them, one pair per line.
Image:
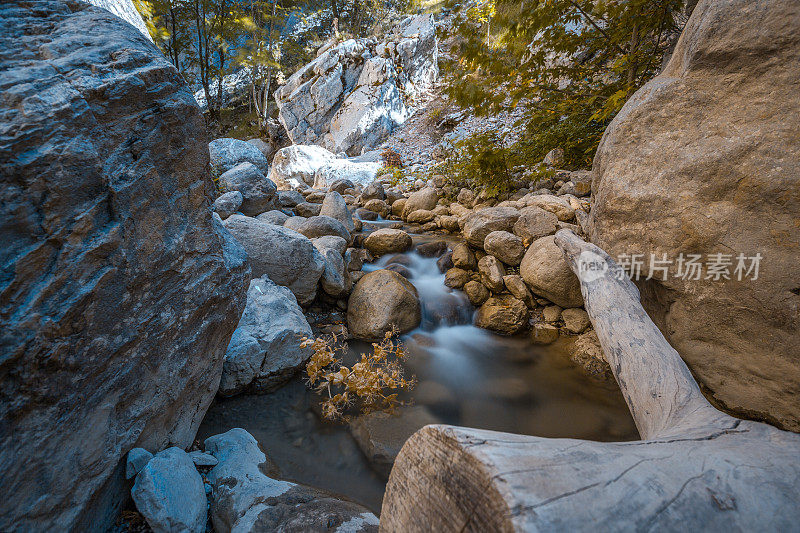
695,468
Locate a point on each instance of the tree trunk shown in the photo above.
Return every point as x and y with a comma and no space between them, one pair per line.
695,469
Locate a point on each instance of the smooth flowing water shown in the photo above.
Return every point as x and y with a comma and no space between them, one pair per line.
467,376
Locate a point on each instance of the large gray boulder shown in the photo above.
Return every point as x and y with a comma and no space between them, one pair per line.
169,493
334,206
705,159
114,271
258,192
226,153
318,226
245,500
286,256
548,274
380,301
265,350
353,95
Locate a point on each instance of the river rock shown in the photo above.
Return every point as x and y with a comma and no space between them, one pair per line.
169,493
330,242
516,286
420,216
227,153
318,226
381,435
576,320
265,350
275,217
119,283
387,241
382,300
699,163
373,191
587,353
503,314
547,274
399,206
505,246
492,272
335,280
286,256
335,207
455,278
431,249
425,199
307,209
543,334
379,207
554,204
476,292
464,257
341,185
244,499
551,314
479,224
290,198
535,223
258,192
466,198
228,203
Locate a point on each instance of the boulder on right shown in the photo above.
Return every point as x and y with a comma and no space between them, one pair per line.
705,159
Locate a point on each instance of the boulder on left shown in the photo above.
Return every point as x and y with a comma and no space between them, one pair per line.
119,291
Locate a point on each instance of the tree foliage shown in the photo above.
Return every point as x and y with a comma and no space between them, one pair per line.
571,63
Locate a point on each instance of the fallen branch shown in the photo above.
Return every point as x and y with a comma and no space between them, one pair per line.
696,467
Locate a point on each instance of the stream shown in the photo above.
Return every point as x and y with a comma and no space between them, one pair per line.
467,376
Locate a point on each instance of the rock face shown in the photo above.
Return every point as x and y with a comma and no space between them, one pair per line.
265,350
705,159
245,500
287,257
118,285
547,273
350,97
379,301
169,493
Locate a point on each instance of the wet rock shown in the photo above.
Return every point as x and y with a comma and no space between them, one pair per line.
227,153
505,246
265,350
542,333
354,258
136,461
503,314
399,206
258,192
366,214
455,278
381,435
387,241
203,460
286,256
278,218
576,320
445,262
244,499
535,223
547,274
481,223
114,269
449,223
307,209
476,292
463,257
424,199
491,271
400,269
228,203
587,353
382,300
169,493
431,249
